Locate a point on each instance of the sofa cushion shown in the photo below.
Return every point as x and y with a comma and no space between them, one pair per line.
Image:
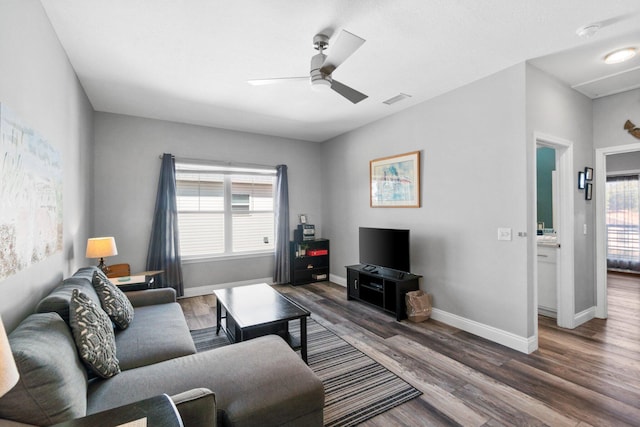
113,300
53,383
256,382
158,332
58,300
93,334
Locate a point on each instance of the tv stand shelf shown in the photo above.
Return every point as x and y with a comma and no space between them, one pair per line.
382,288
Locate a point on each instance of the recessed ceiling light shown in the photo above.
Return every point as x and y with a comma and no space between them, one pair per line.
620,55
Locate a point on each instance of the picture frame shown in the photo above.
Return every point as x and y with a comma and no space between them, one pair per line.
581,180
303,218
589,191
394,181
588,174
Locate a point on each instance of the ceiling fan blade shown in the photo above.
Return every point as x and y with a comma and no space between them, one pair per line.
349,93
339,51
262,82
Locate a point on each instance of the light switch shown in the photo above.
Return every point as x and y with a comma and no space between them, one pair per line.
584,229
504,234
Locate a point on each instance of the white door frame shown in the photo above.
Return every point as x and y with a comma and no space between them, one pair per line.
565,269
600,175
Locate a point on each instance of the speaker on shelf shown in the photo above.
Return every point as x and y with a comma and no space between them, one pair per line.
305,232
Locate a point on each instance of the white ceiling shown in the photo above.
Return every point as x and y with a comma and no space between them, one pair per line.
188,61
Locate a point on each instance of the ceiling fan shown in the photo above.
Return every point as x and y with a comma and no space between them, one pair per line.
323,66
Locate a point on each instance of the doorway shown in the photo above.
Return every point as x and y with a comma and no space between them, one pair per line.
563,225
547,241
600,173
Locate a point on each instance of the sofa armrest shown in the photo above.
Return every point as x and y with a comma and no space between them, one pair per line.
197,407
151,296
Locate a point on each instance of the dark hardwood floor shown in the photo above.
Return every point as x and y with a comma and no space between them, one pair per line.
588,376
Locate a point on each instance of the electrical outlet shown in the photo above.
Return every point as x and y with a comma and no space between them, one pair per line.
504,234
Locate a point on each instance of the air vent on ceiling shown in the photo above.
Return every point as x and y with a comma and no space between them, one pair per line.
396,98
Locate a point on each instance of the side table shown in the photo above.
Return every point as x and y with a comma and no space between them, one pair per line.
136,282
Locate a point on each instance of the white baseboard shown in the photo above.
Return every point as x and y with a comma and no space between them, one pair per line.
524,345
584,316
508,339
338,280
207,289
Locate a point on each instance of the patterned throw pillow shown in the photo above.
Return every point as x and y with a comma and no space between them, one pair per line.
93,334
114,302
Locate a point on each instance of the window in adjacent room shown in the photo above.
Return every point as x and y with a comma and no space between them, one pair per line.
224,210
623,222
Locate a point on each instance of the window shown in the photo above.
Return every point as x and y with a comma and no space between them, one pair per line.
623,222
224,210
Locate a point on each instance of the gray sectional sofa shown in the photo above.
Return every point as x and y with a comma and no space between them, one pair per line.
258,382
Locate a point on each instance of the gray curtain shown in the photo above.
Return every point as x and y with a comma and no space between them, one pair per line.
164,245
281,272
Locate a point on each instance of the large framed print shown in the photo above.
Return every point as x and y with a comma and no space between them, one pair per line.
31,178
395,181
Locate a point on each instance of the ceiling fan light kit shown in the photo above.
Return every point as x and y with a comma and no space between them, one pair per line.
320,82
320,85
323,66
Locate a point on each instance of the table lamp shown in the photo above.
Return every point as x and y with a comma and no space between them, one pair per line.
101,247
8,370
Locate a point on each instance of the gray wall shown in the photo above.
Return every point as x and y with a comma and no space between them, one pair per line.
624,162
609,115
474,180
555,109
39,85
127,168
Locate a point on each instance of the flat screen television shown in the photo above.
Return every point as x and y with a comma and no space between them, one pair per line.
385,247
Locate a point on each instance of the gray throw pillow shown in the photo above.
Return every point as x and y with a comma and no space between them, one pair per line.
114,302
93,334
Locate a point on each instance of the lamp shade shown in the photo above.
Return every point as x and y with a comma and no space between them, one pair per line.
100,247
8,370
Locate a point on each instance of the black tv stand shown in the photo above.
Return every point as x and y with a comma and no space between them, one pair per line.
381,287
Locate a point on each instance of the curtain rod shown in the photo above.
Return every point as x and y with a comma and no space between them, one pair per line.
220,163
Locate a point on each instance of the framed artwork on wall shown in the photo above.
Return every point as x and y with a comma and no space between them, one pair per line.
588,174
31,178
395,181
581,180
589,191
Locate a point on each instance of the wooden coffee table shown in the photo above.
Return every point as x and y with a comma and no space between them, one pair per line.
257,310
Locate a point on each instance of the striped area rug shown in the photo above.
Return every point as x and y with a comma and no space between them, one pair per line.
356,387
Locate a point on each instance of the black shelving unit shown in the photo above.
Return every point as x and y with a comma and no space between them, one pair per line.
385,289
311,267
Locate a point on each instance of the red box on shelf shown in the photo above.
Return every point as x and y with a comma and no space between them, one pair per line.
317,252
